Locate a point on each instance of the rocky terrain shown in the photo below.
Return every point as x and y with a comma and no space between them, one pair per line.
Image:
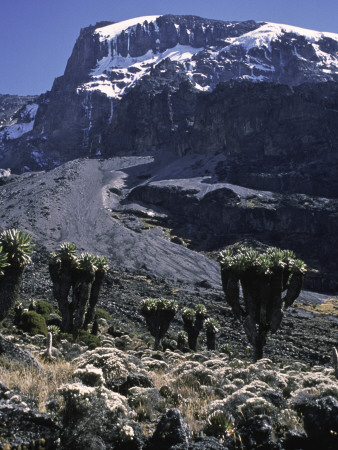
167,139
287,400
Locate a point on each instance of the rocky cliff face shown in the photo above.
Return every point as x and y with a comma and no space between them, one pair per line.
11,106
164,72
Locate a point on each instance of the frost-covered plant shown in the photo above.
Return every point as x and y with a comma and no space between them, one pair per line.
263,278
16,249
90,416
158,312
193,323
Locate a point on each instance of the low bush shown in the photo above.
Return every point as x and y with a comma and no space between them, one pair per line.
44,309
88,339
103,314
33,323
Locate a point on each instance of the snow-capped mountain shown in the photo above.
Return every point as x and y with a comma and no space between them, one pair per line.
149,85
210,52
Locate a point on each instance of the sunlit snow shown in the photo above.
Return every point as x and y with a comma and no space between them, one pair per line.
17,130
115,74
122,65
111,31
269,32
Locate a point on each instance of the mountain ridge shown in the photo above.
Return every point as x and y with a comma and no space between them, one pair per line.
158,54
260,156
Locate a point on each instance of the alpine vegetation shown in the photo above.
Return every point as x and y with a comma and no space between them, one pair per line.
193,323
263,278
81,277
211,327
15,253
158,312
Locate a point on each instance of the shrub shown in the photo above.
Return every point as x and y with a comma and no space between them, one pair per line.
44,309
103,314
33,323
88,339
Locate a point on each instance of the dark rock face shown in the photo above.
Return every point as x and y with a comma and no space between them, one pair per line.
257,432
15,353
225,215
321,418
275,137
21,426
171,430
135,379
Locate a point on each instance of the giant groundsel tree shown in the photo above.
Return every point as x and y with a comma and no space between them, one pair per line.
76,285
16,249
158,313
263,277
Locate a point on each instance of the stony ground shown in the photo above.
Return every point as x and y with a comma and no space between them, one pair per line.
147,261
308,332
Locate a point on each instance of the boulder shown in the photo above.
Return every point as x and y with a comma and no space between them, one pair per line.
171,430
13,352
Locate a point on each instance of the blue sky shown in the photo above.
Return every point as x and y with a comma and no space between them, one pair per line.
37,36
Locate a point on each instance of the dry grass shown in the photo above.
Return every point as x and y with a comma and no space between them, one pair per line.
193,399
38,387
329,306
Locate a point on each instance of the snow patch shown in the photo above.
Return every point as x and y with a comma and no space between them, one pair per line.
19,129
141,66
109,32
264,35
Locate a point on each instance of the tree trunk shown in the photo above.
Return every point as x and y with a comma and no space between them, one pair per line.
211,341
157,345
230,283
81,295
10,284
295,286
61,274
275,313
94,297
259,343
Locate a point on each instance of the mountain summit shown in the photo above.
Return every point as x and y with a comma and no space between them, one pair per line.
142,85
